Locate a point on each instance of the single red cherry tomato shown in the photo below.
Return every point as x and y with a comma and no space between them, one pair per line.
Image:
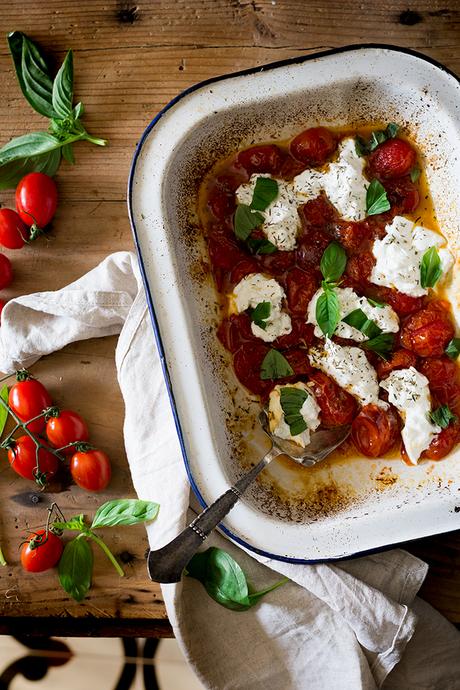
23,459
235,331
317,214
277,263
242,269
91,469
261,159
36,199
428,331
375,431
221,198
337,406
41,552
28,399
403,195
247,362
301,286
6,272
298,359
359,268
313,146
444,379
351,235
392,158
443,442
66,428
400,359
13,232
401,303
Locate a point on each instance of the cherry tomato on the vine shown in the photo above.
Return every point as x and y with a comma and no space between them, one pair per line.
28,399
13,232
41,552
91,469
36,199
66,428
6,271
22,457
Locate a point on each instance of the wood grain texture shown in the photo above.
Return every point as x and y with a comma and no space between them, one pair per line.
130,60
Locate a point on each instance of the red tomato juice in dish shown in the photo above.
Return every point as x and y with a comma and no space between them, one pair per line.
331,269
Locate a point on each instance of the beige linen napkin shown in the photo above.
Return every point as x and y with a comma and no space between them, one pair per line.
343,626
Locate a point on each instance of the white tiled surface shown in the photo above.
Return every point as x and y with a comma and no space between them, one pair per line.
97,663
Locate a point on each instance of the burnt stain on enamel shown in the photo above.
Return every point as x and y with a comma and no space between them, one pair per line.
410,18
128,14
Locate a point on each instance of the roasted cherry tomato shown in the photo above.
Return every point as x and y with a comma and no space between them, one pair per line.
66,428
36,199
301,334
359,268
400,359
247,362
91,469
317,214
28,398
337,406
242,269
298,359
261,159
313,146
392,158
23,459
6,272
375,430
428,331
301,286
351,235
41,552
443,442
444,379
401,303
403,195
276,264
221,199
13,232
235,330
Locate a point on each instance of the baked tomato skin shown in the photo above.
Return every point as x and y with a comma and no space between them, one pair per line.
401,303
317,214
298,359
351,235
234,331
443,442
403,195
400,359
247,361
221,197
64,428
428,331
375,430
242,269
313,146
444,380
41,552
301,286
358,270
267,158
91,469
393,158
28,399
337,406
23,460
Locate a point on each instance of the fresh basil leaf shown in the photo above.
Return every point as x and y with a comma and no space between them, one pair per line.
361,146
333,262
376,199
415,173
75,523
32,73
246,220
3,410
32,144
275,366
430,268
382,344
260,314
358,319
443,416
260,245
76,568
377,138
78,110
374,303
265,191
11,173
67,153
328,312
453,348
126,511
391,130
63,88
291,400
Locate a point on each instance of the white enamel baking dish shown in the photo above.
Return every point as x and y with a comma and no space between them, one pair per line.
349,505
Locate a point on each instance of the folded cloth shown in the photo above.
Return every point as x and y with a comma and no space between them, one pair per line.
343,626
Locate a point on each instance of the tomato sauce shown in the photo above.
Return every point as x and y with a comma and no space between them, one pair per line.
426,323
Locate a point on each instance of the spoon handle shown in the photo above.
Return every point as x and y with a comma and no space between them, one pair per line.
167,564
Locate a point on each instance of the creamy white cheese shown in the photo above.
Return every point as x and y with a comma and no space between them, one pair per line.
254,289
310,411
350,369
342,181
399,254
384,317
282,221
409,392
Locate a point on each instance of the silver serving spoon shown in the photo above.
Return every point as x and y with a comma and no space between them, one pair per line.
167,564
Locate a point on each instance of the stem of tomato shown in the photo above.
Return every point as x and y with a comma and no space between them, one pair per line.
2,558
107,552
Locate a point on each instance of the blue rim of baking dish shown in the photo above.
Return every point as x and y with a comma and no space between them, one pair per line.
156,328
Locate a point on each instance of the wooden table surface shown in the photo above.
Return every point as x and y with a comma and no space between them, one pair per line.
130,60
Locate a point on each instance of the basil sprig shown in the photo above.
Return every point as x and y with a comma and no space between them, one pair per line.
376,199
291,400
364,147
358,319
260,314
224,580
443,416
332,266
453,348
76,563
248,217
41,151
275,366
430,268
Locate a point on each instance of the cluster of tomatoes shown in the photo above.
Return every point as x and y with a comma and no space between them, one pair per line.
36,201
51,435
